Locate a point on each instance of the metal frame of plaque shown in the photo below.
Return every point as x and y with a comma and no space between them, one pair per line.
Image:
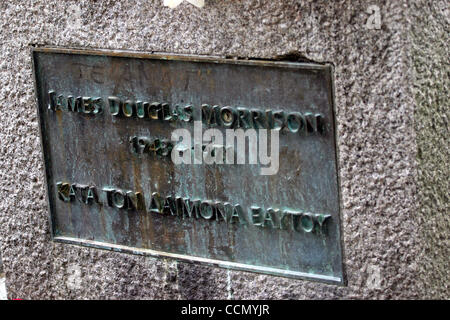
106,119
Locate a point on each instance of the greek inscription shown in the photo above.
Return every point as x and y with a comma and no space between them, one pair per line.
186,208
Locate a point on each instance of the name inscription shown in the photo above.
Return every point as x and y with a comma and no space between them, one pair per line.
227,116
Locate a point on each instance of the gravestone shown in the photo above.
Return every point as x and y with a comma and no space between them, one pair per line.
93,205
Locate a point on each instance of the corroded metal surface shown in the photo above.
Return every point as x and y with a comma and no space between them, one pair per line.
106,121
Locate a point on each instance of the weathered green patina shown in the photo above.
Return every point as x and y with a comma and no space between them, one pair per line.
106,121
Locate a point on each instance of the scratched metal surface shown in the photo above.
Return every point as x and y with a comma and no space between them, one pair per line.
94,150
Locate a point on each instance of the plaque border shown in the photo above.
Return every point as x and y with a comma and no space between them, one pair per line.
342,281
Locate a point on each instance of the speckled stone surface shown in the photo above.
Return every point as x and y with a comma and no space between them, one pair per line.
430,57
394,187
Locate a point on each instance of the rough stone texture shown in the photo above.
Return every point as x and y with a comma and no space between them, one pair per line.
430,56
394,217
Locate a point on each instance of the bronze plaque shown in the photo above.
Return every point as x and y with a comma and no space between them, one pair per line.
108,120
